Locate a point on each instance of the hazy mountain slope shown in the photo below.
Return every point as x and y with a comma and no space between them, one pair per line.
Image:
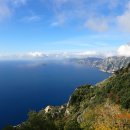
115,63
105,106
109,64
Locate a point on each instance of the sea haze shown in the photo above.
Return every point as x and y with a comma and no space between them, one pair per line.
32,85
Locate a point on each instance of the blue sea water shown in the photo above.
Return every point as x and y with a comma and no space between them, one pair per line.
32,85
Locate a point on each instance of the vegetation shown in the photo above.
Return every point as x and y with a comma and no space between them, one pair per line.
105,106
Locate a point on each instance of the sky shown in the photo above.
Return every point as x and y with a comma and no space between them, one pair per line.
32,28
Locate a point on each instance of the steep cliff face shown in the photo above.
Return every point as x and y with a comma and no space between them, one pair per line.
109,64
112,64
105,106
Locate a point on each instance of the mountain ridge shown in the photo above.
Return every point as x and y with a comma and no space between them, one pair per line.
109,64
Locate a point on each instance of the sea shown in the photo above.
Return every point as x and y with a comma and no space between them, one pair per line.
32,85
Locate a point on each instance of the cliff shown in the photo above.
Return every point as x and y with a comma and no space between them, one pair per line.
114,63
109,64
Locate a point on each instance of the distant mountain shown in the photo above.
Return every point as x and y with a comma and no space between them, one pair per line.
114,63
89,61
109,64
105,106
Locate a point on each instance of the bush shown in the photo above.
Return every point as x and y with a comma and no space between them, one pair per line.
9,128
72,125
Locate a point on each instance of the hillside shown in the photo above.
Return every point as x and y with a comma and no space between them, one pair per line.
109,64
114,63
105,106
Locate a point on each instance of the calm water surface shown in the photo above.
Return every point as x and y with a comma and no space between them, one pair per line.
32,85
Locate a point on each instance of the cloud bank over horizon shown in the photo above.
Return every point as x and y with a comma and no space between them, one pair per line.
123,50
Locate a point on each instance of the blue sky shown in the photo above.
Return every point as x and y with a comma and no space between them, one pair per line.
100,26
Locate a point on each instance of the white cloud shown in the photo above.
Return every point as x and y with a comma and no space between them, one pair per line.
86,12
97,24
87,53
36,54
124,19
54,24
41,55
59,20
26,55
5,11
7,7
32,18
81,54
92,14
124,50
19,2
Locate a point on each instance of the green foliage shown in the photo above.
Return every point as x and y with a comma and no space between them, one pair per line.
119,92
89,119
35,122
39,122
72,125
79,94
9,128
60,124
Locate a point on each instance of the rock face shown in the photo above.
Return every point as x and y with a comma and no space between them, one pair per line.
48,108
110,64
